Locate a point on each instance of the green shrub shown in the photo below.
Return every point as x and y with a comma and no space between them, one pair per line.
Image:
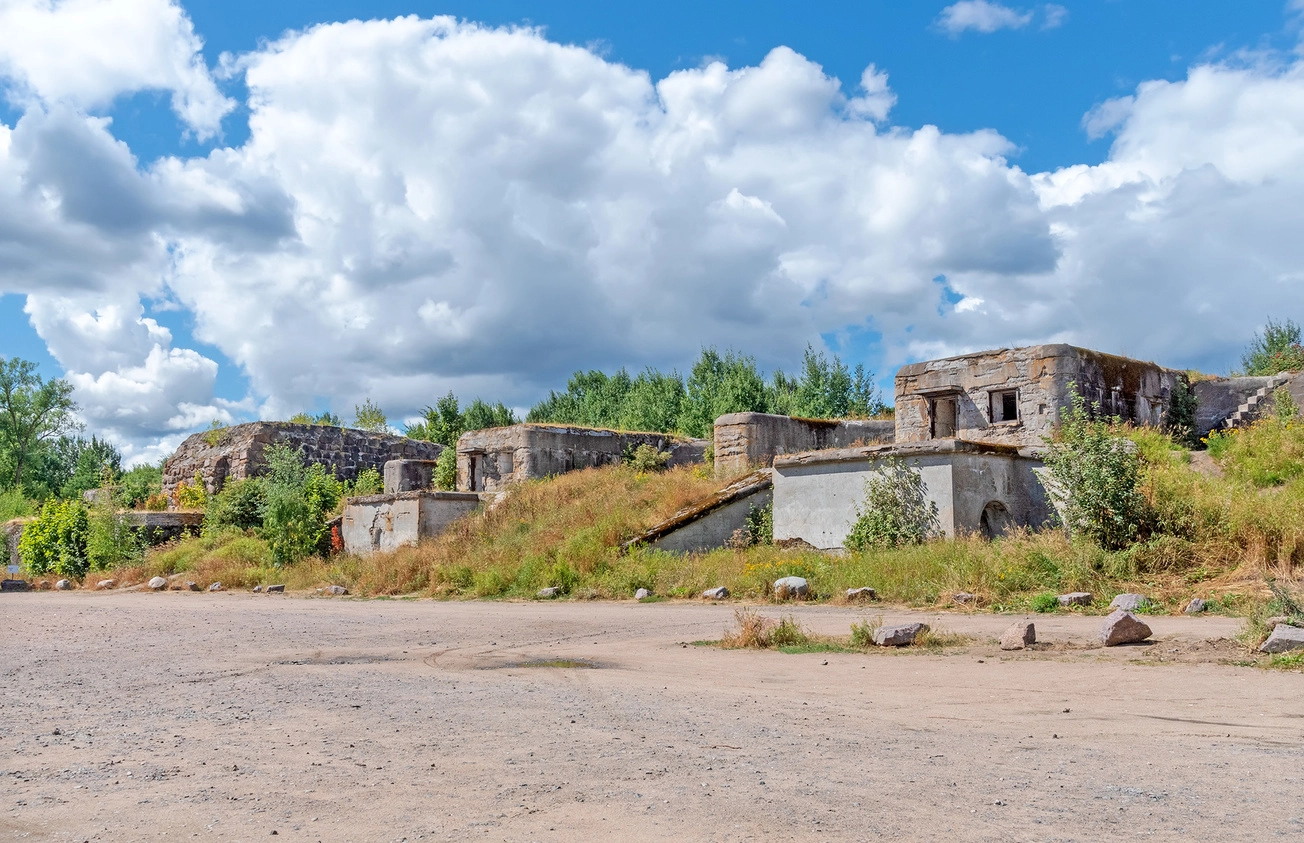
1047,601
110,541
14,504
1095,479
241,504
192,495
369,482
647,458
299,500
862,633
446,470
1277,349
895,511
137,485
55,543
788,633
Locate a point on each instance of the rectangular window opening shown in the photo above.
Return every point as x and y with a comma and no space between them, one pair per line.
945,412
1005,405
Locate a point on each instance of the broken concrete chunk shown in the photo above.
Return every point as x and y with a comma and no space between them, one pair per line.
106,584
1283,639
217,586
786,587
1075,598
337,590
192,586
548,593
717,593
1018,636
258,589
63,585
1123,628
1195,607
862,593
13,585
158,583
964,597
1129,602
642,594
898,636
274,589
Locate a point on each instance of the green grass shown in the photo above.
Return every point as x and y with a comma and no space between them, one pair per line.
14,505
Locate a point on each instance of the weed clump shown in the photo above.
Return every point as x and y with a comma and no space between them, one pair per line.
895,512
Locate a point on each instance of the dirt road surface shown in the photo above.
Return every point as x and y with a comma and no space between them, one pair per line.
237,717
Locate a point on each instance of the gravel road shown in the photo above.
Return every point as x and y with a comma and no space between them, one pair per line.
237,717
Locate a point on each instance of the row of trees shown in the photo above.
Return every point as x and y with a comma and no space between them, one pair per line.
716,384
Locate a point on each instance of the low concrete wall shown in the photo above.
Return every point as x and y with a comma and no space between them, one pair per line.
1218,398
747,441
408,475
490,460
160,527
977,487
387,522
710,524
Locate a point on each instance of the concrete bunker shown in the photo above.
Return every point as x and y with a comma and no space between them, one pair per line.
492,459
746,441
712,523
388,522
978,487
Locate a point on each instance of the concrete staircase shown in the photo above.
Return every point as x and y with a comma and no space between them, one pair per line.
1251,409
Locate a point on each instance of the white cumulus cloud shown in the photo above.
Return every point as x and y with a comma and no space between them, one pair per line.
983,16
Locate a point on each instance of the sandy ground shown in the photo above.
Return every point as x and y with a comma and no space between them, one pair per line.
238,717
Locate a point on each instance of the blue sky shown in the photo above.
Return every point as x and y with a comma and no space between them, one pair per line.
1026,87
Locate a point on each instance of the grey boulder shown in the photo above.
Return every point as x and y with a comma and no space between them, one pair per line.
1283,639
192,586
1018,636
1075,598
217,586
786,587
548,593
642,594
63,585
964,597
158,583
1195,607
13,585
258,589
337,590
274,589
1123,628
1129,602
898,636
862,593
106,584
717,593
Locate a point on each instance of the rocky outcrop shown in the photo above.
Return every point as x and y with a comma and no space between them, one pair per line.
235,453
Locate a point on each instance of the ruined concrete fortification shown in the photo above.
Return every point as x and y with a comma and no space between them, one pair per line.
388,522
237,452
1231,402
491,459
1015,396
746,441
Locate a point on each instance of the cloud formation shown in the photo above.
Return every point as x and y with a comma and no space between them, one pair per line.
425,205
983,16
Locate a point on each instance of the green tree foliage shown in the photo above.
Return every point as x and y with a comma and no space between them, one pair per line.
97,462
1095,478
299,501
1277,349
1180,422
446,421
55,543
110,541
446,470
369,416
717,384
32,411
241,504
138,483
326,418
895,511
14,504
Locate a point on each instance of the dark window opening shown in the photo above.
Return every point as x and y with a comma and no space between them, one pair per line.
1005,406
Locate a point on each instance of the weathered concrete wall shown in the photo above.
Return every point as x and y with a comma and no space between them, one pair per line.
494,458
978,488
1220,398
238,452
408,475
747,441
387,522
711,523
160,527
1137,391
13,531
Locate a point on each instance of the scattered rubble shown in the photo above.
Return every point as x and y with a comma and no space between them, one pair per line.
336,590
217,586
963,598
63,585
1195,607
1130,602
1283,639
1076,598
862,593
717,593
158,584
274,589
104,585
548,593
787,587
642,594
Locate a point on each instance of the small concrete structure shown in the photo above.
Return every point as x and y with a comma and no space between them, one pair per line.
160,527
710,524
387,522
491,459
748,441
234,453
1015,396
977,487
1231,402
408,475
12,532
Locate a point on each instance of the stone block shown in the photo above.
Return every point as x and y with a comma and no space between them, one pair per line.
900,635
1284,639
1020,635
790,587
1076,598
409,475
1122,627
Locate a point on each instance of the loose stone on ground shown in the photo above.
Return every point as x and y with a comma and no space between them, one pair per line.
862,593
898,636
1129,602
1284,638
786,587
1075,598
717,593
158,583
1022,634
1123,628
1195,607
548,593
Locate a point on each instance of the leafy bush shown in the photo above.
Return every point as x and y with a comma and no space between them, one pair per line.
241,504
895,511
368,416
1180,422
368,482
14,504
299,500
1095,478
1276,350
446,421
191,495
110,542
1047,601
446,470
137,485
55,543
862,633
646,458
760,524
157,502
213,436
